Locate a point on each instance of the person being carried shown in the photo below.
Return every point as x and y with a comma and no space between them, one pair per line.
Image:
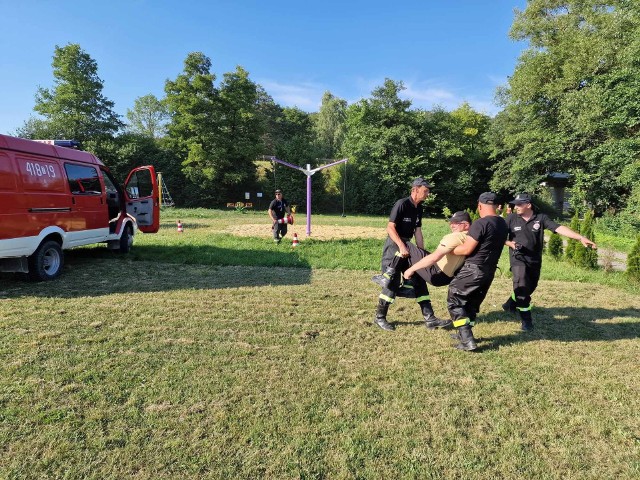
405,222
439,268
277,209
525,242
468,289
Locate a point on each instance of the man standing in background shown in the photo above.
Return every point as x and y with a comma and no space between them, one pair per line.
525,242
277,210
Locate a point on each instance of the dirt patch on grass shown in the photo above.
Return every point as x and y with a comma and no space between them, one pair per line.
318,232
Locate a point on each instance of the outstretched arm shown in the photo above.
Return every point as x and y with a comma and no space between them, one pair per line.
567,232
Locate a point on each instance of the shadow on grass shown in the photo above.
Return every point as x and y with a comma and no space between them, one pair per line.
98,271
567,324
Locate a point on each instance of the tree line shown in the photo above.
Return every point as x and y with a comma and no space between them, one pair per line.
569,106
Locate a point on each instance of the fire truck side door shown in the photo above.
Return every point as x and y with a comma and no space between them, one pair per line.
142,198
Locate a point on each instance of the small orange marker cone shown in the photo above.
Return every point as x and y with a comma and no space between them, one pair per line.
295,240
180,228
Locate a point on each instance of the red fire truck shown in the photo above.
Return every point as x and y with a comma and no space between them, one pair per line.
53,198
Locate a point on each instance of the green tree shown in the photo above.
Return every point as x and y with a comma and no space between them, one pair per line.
457,154
295,143
75,107
329,125
382,141
148,116
240,131
217,131
633,261
555,246
586,257
572,245
571,103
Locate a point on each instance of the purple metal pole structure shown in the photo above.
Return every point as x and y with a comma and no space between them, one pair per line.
308,202
308,172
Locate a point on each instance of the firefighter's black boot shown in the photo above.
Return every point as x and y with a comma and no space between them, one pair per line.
526,322
509,305
430,320
381,316
467,342
385,279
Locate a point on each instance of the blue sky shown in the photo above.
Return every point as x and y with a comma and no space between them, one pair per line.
445,52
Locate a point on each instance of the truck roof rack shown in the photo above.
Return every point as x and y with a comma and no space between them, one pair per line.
61,143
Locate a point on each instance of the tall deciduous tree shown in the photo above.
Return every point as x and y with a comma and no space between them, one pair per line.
192,100
217,130
383,140
329,125
75,107
571,104
148,116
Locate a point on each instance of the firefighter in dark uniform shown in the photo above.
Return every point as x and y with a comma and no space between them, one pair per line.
525,242
483,246
405,222
277,209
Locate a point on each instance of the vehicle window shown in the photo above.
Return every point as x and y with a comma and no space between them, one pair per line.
83,180
140,184
109,185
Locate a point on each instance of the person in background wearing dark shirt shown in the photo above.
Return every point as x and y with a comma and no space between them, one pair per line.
483,246
525,242
405,222
277,209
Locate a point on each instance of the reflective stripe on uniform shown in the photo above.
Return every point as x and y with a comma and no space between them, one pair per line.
461,322
385,298
424,298
525,309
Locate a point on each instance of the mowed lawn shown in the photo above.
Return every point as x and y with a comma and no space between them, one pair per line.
209,355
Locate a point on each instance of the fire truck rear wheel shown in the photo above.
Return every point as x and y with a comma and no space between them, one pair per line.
126,240
46,262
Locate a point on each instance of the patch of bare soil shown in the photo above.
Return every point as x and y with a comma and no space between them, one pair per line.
318,232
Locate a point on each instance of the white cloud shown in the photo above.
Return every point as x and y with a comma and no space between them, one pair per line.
306,96
423,94
428,95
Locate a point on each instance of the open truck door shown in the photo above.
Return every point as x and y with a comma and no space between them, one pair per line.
142,198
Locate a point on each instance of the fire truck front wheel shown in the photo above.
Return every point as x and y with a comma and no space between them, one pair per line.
126,240
46,262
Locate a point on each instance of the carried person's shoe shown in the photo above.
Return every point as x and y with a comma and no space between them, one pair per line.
384,279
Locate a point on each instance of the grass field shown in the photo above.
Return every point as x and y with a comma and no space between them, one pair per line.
209,354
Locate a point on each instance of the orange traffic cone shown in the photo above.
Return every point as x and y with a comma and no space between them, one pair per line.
295,240
180,228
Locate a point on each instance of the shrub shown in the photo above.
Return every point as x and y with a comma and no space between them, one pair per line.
586,257
473,214
569,253
555,247
633,261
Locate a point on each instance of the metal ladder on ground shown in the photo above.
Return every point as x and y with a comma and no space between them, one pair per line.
165,196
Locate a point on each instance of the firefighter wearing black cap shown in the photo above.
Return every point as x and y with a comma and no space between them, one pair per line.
405,222
525,242
483,246
278,207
